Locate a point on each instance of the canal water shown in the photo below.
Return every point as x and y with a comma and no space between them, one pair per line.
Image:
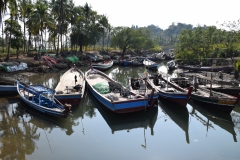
164,132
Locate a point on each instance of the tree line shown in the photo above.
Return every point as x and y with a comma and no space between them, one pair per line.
62,25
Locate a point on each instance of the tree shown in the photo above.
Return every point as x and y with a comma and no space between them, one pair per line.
128,38
41,18
122,39
103,21
3,8
13,10
25,8
16,38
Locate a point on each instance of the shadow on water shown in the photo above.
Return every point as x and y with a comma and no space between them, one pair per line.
223,120
128,121
178,114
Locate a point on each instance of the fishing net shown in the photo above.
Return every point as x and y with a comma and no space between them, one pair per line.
102,87
73,59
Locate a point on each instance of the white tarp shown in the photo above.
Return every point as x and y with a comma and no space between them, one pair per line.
21,66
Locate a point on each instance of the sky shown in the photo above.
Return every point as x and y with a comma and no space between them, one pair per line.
163,13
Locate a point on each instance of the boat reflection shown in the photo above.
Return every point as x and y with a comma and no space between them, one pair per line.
178,114
119,122
222,120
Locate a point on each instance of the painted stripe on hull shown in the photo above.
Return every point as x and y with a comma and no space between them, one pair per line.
211,105
41,109
178,99
70,99
121,107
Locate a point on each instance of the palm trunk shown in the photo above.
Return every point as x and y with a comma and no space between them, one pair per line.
24,39
58,45
2,40
8,51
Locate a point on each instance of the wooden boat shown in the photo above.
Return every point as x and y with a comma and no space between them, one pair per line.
139,86
230,90
137,62
170,91
71,87
114,95
211,99
207,68
102,65
127,60
150,64
8,88
42,99
116,59
119,122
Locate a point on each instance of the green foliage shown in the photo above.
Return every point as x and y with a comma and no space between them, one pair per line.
17,36
133,39
4,54
237,64
156,49
208,42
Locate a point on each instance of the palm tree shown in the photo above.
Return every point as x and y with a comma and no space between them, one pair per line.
13,9
3,8
41,17
103,21
109,29
25,9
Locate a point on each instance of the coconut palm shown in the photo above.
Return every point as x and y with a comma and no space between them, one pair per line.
103,21
12,5
25,9
3,8
40,18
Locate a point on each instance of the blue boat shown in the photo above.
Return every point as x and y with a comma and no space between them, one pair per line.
42,99
114,95
8,88
170,91
150,64
127,62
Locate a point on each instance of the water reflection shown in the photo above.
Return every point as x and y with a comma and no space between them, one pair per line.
17,135
119,122
178,114
210,117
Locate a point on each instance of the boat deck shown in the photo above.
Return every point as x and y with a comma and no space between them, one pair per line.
67,82
93,79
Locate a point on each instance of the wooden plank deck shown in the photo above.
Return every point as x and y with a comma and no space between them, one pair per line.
67,82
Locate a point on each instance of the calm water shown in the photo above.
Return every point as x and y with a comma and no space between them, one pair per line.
92,132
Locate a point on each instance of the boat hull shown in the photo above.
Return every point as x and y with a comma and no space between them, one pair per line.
31,96
65,87
120,107
102,66
230,91
8,90
127,63
180,100
210,69
69,99
224,105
